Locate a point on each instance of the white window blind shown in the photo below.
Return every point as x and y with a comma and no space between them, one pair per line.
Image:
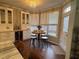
53,22
44,18
34,19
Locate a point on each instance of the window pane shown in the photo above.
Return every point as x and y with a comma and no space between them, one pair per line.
53,21
44,27
33,27
52,30
27,18
9,17
23,18
67,9
66,23
53,17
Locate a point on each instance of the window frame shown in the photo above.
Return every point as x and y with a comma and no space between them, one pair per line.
66,14
56,29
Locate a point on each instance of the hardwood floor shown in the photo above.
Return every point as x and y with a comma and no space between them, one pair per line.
28,51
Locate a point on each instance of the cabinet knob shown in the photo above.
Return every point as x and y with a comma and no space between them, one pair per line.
7,27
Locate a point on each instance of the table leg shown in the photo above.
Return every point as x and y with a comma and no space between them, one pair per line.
39,43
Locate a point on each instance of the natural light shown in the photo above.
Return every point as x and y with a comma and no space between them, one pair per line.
67,9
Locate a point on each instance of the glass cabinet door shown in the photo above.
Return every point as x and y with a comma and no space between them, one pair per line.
6,19
2,16
27,18
23,18
9,17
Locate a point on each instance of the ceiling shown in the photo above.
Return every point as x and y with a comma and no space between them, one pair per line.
45,4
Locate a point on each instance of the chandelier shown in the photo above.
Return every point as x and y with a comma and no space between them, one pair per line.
33,3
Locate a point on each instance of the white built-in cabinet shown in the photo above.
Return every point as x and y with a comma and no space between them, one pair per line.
6,19
24,20
25,25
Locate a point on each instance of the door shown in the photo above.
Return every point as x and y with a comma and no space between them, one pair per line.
65,32
66,25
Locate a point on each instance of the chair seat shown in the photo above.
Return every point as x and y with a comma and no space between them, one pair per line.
44,37
33,37
33,34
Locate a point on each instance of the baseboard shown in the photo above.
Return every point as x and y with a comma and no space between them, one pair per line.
53,43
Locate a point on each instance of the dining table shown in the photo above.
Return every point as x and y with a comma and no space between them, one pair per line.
38,33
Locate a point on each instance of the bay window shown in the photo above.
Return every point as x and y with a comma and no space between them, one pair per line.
48,21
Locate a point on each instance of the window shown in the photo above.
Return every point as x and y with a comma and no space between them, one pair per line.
66,22
68,9
66,14
52,30
45,28
33,27
51,27
53,22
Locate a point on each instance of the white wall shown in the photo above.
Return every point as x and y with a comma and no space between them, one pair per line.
27,34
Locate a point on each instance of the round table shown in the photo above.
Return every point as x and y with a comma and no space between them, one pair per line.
38,33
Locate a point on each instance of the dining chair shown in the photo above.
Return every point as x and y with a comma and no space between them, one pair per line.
33,38
44,39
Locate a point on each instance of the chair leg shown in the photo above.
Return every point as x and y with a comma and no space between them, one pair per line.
45,43
29,42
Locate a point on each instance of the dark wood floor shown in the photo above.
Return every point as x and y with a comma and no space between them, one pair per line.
45,51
